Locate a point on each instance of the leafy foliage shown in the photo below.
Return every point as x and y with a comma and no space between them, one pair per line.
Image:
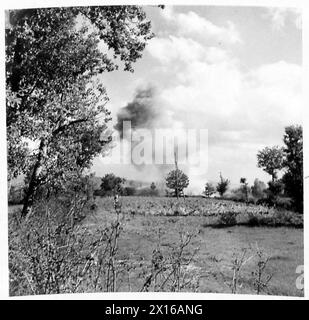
222,185
289,158
48,255
112,184
177,180
226,219
54,101
270,159
209,189
293,178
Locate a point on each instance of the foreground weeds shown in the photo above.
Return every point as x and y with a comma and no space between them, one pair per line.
51,252
173,270
47,256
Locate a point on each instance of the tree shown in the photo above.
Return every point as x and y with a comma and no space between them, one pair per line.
209,189
112,184
222,185
69,146
178,181
293,177
258,189
274,191
52,98
270,159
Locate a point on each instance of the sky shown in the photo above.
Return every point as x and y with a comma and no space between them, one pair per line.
234,71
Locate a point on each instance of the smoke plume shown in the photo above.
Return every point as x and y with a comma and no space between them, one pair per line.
142,111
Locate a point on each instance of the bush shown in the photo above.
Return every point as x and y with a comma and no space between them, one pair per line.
284,203
111,184
274,191
253,220
129,191
276,219
226,219
49,252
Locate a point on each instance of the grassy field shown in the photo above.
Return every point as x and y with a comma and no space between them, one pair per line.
149,224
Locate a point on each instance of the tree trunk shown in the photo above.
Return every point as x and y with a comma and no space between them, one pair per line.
177,193
33,183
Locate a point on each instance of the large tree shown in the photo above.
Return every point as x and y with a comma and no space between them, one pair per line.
270,159
293,178
54,102
177,181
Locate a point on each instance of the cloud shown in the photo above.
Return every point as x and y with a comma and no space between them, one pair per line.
193,25
243,110
205,86
280,16
176,48
184,50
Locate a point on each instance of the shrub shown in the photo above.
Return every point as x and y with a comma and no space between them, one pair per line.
274,191
50,255
283,202
253,220
112,184
222,186
226,219
129,191
275,219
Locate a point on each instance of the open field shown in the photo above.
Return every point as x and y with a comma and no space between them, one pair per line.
144,231
155,226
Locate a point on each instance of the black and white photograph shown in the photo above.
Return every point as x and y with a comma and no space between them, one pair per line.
154,149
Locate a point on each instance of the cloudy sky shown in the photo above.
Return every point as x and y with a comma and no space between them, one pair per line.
235,71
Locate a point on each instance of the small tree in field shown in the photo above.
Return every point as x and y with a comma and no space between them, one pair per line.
209,189
222,186
178,181
271,160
